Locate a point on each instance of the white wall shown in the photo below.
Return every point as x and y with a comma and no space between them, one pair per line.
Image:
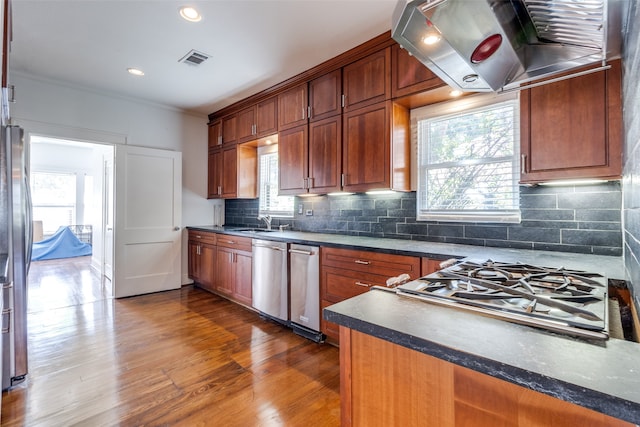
64,111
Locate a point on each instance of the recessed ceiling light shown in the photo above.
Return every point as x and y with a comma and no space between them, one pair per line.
190,14
431,38
455,92
135,71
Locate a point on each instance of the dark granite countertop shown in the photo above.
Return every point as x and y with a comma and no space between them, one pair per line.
4,267
609,266
603,376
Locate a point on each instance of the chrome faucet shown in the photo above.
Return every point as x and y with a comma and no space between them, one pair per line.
267,220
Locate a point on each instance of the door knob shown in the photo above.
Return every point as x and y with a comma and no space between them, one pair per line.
176,228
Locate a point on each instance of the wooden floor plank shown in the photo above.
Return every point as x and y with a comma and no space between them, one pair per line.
184,357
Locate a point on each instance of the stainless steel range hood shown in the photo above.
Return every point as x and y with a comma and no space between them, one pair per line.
493,45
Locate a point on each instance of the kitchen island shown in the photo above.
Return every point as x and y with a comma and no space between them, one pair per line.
408,362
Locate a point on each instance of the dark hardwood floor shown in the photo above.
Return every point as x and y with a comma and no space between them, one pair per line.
183,357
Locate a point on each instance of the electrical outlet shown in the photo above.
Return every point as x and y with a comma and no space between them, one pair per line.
309,212
300,209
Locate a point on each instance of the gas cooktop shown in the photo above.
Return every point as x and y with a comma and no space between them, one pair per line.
557,299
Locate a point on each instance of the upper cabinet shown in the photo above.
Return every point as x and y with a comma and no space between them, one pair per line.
375,153
258,120
572,129
292,107
229,130
409,76
215,134
325,93
367,81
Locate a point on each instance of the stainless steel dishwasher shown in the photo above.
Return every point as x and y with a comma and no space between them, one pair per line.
269,284
305,291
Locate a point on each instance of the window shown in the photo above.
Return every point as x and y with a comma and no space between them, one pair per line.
468,160
54,199
270,202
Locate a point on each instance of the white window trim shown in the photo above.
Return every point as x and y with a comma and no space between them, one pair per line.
269,149
468,103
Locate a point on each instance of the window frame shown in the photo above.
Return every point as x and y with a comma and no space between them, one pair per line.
465,105
264,151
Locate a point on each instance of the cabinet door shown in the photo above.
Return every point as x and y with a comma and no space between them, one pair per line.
366,148
224,271
325,95
409,76
214,174
572,128
292,107
229,131
267,117
246,130
368,80
292,160
194,261
207,266
325,159
230,172
242,286
215,134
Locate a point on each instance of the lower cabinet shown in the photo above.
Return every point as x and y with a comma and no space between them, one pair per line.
373,370
233,268
221,264
345,273
202,253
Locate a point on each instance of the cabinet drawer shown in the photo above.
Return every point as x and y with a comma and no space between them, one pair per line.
235,242
371,262
339,284
202,236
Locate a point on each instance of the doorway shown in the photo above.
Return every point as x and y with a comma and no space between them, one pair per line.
72,187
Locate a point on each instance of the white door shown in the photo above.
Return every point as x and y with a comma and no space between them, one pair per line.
148,184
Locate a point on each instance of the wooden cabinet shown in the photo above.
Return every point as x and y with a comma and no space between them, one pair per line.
293,160
367,81
572,128
233,268
292,107
229,131
373,370
375,148
258,120
232,172
345,273
325,94
215,134
214,174
202,258
429,265
310,157
409,76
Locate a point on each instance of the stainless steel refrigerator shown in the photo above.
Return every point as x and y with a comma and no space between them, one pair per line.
16,241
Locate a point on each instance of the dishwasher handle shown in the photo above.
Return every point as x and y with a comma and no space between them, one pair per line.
301,252
275,248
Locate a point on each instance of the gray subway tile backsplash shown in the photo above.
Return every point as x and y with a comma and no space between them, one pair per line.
547,221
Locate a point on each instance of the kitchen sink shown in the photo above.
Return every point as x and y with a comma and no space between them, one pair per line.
254,230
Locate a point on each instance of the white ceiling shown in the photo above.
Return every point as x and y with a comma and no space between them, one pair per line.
253,44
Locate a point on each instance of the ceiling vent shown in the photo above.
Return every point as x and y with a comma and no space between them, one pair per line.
194,57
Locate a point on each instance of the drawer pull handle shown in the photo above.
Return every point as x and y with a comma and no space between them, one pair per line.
231,242
197,236
358,261
366,285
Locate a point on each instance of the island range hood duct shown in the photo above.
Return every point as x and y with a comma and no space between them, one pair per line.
495,45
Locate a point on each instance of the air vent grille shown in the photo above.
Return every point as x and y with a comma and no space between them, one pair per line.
194,57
